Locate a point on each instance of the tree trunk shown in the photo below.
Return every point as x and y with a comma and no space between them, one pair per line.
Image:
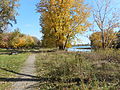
103,40
66,41
61,47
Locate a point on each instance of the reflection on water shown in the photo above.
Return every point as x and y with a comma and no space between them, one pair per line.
77,48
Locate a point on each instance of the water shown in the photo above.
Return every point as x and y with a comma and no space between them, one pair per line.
76,48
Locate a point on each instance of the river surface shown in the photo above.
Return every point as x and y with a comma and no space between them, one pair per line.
79,48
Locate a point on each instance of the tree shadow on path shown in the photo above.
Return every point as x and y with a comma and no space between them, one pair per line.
40,81
11,71
30,77
33,78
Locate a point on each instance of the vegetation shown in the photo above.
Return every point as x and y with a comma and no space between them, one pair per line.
62,20
10,63
118,39
7,13
107,19
17,40
84,71
110,40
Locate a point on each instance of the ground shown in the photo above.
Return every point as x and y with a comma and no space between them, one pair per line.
27,76
10,67
62,70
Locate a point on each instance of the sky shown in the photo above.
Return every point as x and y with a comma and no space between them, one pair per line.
28,20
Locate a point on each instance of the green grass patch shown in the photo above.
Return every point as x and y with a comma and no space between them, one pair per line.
11,63
98,70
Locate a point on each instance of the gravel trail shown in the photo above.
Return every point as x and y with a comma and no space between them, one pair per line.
27,77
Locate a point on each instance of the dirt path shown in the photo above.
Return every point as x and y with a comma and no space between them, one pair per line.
26,79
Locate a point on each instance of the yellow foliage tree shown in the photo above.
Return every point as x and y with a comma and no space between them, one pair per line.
61,20
24,41
29,41
18,42
109,37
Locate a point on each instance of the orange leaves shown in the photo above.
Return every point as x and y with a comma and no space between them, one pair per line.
96,39
52,2
15,40
24,41
19,42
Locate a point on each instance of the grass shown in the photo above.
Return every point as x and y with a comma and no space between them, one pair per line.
99,70
8,51
4,50
10,62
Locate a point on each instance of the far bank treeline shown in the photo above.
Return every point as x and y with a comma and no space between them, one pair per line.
18,40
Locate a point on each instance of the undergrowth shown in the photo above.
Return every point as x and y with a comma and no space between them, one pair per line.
99,70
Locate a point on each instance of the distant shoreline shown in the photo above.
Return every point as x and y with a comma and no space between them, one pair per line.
83,48
82,45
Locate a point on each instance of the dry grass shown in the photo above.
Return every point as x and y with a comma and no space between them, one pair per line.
98,70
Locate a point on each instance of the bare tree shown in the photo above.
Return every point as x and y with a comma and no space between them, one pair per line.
106,18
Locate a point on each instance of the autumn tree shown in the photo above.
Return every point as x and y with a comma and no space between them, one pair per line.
106,18
4,39
61,20
118,40
19,40
110,39
29,41
37,42
16,40
7,13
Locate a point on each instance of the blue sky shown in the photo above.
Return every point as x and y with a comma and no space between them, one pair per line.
28,19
